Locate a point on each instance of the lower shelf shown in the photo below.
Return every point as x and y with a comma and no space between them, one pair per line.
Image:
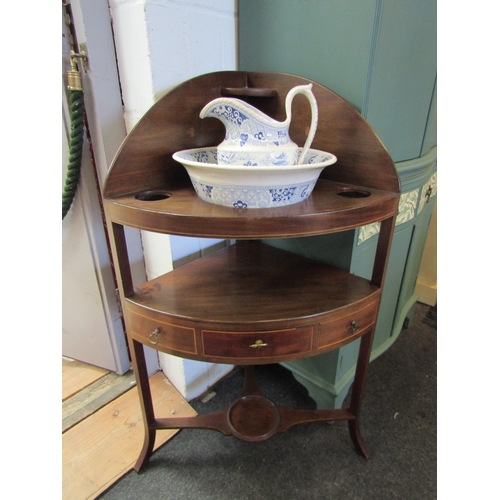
251,303
251,418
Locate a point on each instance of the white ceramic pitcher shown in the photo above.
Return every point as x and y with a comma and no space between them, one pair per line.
253,138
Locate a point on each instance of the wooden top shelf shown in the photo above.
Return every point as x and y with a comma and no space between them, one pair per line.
332,206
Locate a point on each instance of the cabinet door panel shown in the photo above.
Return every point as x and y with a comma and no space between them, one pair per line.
400,85
333,48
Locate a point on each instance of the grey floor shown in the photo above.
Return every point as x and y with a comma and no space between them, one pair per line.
313,461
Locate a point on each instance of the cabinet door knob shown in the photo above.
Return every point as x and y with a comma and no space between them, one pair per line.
258,343
428,194
354,327
154,336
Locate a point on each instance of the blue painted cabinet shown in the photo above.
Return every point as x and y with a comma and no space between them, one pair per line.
380,55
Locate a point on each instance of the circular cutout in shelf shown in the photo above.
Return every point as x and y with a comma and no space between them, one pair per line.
353,193
152,195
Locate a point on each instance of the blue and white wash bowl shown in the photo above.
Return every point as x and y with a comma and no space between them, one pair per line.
239,186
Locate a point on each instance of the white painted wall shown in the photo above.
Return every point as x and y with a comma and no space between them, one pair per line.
160,44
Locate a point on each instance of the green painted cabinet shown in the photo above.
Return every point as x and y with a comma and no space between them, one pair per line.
328,377
380,55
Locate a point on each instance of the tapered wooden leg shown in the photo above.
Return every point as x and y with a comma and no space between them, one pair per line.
144,390
356,438
147,450
357,392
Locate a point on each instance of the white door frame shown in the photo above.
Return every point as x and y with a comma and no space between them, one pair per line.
104,111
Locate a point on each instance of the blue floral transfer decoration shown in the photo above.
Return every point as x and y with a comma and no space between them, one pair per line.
230,114
253,196
282,194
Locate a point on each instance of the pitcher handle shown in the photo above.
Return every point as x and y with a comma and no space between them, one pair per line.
305,90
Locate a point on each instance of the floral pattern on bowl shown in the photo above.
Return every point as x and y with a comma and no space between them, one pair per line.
253,196
238,186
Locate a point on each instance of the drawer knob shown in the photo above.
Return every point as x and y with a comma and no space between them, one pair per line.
258,343
154,336
354,327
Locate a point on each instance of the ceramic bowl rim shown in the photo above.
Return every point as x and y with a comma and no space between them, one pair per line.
262,168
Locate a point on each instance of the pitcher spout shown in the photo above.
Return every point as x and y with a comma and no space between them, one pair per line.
232,111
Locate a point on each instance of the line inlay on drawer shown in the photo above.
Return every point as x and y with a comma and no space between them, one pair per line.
257,344
350,325
156,333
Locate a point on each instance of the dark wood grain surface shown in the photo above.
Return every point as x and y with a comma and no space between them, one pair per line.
251,283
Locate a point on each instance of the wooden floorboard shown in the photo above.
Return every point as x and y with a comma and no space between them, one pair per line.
94,397
76,376
103,447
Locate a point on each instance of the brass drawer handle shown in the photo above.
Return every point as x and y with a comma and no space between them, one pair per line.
258,343
154,336
354,327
